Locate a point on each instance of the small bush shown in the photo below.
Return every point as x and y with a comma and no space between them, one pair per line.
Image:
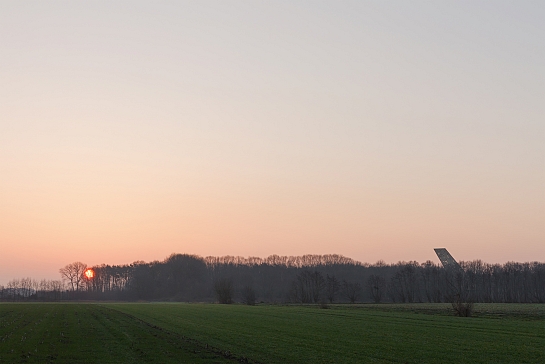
462,309
324,305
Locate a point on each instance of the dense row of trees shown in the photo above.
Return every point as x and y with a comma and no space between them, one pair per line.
303,279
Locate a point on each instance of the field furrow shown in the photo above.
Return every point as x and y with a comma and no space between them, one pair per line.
210,333
89,333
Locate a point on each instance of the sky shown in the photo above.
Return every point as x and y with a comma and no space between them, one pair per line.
375,130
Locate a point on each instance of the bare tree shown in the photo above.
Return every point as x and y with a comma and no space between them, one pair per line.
317,286
26,287
376,285
224,291
13,289
308,287
248,295
73,273
332,288
351,291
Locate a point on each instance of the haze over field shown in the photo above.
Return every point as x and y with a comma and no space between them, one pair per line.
129,131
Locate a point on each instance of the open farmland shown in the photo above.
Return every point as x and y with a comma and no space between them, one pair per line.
207,333
89,333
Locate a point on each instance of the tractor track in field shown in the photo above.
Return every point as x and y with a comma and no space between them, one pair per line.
174,337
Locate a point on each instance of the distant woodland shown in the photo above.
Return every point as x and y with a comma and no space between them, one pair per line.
319,279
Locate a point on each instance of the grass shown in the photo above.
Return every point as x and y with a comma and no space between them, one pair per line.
343,334
523,311
88,333
206,333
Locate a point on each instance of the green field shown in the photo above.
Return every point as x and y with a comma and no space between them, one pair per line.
208,333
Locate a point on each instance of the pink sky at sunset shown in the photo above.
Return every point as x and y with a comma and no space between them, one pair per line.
372,130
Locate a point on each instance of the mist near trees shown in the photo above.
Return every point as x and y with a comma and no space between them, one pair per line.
307,279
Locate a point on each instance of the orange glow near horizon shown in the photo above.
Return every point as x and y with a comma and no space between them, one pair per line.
89,274
366,131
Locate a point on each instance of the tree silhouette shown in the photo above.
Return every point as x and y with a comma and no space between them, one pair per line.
73,273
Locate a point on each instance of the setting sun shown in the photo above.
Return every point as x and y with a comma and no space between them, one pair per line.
89,273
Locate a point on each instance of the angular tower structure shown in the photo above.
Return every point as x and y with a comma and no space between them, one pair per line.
447,260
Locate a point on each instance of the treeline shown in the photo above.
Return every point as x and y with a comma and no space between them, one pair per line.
302,279
26,289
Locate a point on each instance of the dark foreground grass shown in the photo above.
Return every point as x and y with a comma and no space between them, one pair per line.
276,334
88,333
207,333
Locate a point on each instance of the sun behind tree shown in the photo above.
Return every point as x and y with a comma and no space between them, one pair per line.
89,273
